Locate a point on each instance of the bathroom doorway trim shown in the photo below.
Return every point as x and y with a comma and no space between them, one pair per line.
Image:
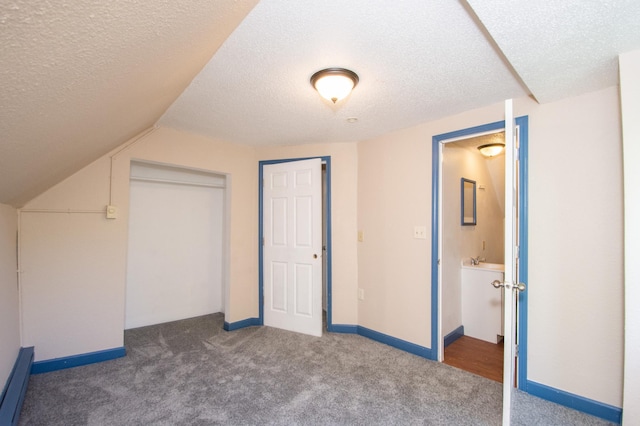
522,124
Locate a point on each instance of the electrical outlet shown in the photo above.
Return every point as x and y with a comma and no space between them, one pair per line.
361,294
112,212
360,236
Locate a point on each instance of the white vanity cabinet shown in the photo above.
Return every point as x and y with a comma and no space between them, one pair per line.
482,304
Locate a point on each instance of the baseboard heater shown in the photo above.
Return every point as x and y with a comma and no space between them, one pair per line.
13,395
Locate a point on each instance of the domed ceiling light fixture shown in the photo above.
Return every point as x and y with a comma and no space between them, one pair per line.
491,149
334,84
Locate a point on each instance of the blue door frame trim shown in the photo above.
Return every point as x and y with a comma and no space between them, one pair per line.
567,399
327,161
523,124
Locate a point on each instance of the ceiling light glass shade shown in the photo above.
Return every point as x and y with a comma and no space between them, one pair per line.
334,84
492,149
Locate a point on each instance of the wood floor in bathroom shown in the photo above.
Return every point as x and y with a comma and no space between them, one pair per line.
476,356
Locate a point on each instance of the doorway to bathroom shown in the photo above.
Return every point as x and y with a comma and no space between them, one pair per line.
471,309
468,255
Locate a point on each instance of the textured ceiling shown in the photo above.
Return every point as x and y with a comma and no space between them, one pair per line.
79,78
562,48
417,60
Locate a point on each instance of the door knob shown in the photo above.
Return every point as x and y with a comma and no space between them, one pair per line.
315,256
508,286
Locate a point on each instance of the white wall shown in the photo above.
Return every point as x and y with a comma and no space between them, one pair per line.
9,319
463,242
174,260
630,97
75,263
575,231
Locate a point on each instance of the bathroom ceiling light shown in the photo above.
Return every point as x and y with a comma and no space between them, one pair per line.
491,149
334,84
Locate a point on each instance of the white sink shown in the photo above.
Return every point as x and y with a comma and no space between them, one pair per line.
485,266
492,266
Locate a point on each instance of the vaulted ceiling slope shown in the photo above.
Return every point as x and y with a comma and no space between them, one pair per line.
562,48
81,77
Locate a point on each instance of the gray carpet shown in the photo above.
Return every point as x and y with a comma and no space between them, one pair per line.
191,372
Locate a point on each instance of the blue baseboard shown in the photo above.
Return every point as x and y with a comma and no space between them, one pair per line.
395,342
579,403
453,336
230,326
576,402
76,360
343,328
382,338
13,394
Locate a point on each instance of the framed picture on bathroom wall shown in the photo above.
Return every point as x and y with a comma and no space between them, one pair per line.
468,202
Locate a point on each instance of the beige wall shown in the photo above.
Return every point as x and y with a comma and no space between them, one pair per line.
575,246
394,195
630,94
9,319
575,231
382,187
75,263
344,178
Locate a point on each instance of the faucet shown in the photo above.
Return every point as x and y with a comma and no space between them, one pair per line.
476,260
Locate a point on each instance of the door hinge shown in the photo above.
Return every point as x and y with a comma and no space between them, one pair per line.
517,252
517,350
262,241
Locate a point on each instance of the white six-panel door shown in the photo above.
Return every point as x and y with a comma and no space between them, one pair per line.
292,246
